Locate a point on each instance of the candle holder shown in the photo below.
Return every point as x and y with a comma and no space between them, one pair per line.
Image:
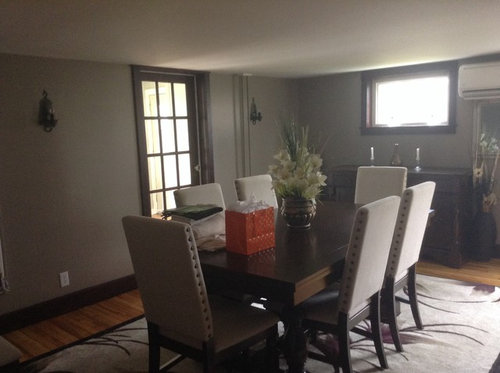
417,159
396,159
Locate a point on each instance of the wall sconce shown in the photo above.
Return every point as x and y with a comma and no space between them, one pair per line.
254,115
46,116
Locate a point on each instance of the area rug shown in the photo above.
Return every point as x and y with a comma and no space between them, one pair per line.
461,334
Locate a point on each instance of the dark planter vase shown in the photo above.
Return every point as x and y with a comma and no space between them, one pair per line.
298,213
485,236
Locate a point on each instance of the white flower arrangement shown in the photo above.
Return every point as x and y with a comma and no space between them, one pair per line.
298,171
485,166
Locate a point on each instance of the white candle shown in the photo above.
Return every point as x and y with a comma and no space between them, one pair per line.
372,154
418,154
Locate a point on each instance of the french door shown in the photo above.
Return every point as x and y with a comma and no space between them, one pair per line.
168,135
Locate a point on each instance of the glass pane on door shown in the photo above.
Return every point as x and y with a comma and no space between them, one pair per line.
155,174
180,100
152,136
168,135
184,169
170,199
157,205
149,99
182,135
170,132
165,92
170,171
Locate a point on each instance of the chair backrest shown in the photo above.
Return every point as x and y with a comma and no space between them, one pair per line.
200,194
367,254
410,228
169,278
376,182
261,186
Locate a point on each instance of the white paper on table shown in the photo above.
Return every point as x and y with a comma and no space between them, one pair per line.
246,207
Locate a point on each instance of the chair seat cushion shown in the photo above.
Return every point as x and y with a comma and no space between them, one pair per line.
8,353
402,274
330,294
234,321
324,307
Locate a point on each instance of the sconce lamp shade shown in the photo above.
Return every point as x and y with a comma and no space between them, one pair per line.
254,115
46,116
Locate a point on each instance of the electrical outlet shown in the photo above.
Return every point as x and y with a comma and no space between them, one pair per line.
64,278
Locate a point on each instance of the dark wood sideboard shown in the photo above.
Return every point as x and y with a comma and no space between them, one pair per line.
449,232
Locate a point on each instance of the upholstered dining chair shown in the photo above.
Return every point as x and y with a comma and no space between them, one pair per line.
260,186
405,250
179,313
10,357
200,194
375,182
362,280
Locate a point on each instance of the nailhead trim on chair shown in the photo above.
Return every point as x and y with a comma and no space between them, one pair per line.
399,228
351,263
203,295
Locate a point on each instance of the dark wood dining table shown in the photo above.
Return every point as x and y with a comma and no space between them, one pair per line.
302,263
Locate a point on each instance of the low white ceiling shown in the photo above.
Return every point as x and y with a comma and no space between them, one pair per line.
279,38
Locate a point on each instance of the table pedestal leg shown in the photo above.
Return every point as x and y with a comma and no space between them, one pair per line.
295,348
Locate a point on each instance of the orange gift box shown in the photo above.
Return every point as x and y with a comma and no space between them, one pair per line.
249,233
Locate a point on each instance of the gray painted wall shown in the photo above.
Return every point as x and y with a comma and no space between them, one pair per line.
331,105
241,148
224,130
62,194
275,98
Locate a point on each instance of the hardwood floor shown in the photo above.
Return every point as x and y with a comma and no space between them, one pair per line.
481,272
43,337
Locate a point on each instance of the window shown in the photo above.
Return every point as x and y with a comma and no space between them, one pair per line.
410,99
173,135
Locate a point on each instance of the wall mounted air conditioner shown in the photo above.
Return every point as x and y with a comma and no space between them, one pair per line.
479,81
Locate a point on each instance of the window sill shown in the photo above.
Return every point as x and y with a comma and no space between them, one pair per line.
422,130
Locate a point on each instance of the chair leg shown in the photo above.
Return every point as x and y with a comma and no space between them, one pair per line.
376,332
313,335
272,353
412,295
344,344
389,301
208,367
154,349
208,357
